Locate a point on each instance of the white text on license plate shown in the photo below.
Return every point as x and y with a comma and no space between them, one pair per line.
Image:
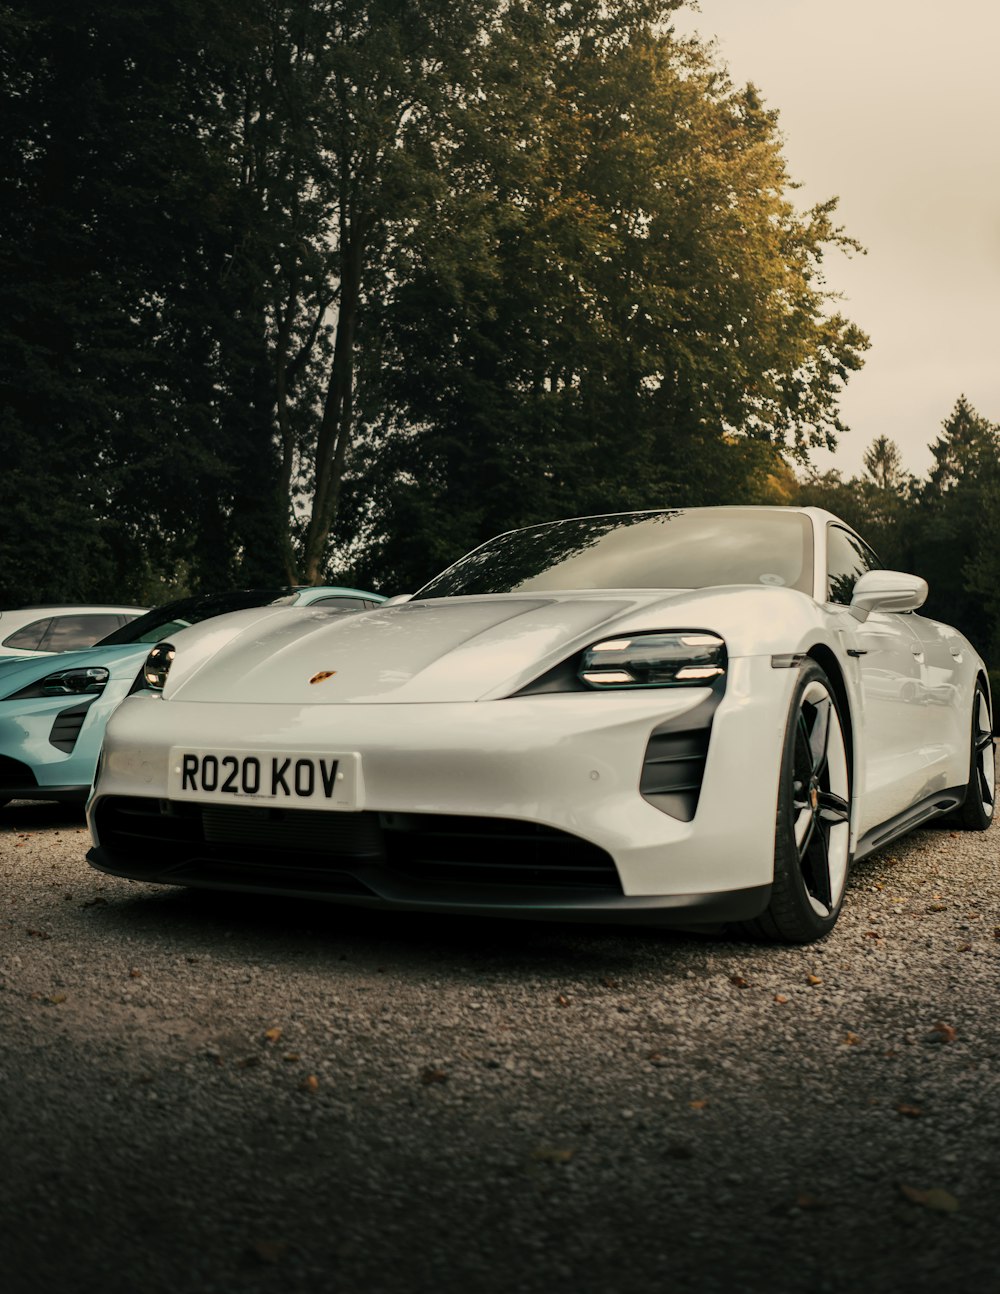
303,778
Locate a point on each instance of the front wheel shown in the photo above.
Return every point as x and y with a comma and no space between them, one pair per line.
812,852
976,813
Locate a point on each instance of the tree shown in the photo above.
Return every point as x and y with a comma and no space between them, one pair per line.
951,545
884,464
615,303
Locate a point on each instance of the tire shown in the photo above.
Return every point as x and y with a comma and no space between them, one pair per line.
813,822
976,813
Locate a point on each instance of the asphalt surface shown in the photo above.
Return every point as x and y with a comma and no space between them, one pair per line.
205,1093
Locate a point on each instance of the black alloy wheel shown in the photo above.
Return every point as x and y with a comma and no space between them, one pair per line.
813,823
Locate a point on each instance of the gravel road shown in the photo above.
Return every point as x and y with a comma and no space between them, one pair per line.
205,1093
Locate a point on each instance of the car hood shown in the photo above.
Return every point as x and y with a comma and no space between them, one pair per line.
448,649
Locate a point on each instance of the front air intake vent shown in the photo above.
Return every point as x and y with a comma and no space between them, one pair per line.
673,768
67,724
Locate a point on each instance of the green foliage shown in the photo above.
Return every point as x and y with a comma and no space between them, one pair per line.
615,305
940,527
953,548
289,288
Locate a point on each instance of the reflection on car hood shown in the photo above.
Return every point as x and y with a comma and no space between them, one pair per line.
449,649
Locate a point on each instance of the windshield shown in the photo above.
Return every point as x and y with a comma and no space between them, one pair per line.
691,548
163,621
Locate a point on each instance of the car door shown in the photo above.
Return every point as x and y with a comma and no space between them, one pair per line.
891,762
944,658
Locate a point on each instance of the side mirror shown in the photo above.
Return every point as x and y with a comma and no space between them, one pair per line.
887,591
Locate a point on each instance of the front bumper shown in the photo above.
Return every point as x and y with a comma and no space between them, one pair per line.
542,791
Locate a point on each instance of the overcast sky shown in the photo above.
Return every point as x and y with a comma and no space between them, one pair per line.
894,106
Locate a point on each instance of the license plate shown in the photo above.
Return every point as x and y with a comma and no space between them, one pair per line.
306,779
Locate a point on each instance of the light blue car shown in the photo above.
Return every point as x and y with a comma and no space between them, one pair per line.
53,709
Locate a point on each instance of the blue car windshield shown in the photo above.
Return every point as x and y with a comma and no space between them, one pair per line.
691,548
174,616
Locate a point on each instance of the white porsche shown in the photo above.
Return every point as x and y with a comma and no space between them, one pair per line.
679,716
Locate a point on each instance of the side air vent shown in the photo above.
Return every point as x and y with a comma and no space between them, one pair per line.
66,726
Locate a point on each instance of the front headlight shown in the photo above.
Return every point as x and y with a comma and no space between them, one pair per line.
84,680
157,666
687,658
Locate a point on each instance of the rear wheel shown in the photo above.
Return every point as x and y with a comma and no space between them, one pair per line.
976,813
813,824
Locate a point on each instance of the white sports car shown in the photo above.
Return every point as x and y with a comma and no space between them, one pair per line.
676,716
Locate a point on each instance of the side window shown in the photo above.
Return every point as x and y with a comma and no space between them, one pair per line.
71,633
847,559
28,638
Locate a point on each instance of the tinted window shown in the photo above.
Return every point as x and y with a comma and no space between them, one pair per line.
71,633
847,559
28,638
173,616
685,549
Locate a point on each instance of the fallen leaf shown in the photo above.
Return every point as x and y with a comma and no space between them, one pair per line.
698,1105
56,998
873,934
39,934
310,1084
562,1000
291,1056
553,1154
942,1033
935,1198
813,979
910,1111
937,907
780,999
739,981
273,1034
851,1039
964,948
135,973
432,1075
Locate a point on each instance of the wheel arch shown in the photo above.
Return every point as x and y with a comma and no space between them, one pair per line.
984,678
827,660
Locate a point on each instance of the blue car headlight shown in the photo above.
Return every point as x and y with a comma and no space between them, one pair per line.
686,658
83,680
